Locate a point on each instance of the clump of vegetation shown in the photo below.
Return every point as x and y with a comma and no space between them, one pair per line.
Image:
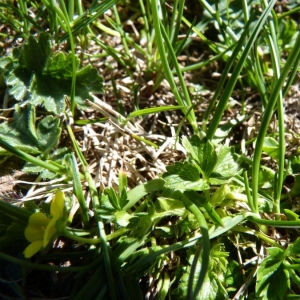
149,150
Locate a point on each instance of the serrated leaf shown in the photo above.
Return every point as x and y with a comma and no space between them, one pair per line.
48,133
60,66
192,148
184,170
293,249
36,53
218,180
19,80
203,152
46,79
175,182
113,198
212,288
50,92
276,285
271,279
226,165
270,146
23,134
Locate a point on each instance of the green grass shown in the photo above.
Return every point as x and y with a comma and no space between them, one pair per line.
139,220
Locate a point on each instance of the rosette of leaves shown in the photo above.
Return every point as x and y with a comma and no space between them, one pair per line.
204,167
34,73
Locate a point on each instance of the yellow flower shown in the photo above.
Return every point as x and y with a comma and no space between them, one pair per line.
41,230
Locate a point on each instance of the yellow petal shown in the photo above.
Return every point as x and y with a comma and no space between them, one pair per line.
58,204
33,233
36,228
50,231
33,248
38,220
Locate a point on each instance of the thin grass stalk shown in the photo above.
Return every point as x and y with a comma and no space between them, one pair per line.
202,64
205,245
220,109
90,16
64,16
121,31
70,10
248,192
51,166
12,25
176,24
260,83
275,58
79,7
258,76
160,33
21,214
273,223
35,266
96,203
210,44
148,36
232,81
289,12
292,61
24,10
187,101
221,23
290,79
78,191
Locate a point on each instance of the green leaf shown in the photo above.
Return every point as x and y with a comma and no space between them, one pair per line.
175,182
234,275
123,218
212,288
293,249
202,152
226,165
36,53
23,134
44,78
290,215
219,195
48,133
202,202
271,277
184,170
57,156
171,207
270,146
18,80
223,131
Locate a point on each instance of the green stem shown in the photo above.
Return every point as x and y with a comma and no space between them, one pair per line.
22,214
32,159
96,204
290,63
80,239
276,223
205,245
